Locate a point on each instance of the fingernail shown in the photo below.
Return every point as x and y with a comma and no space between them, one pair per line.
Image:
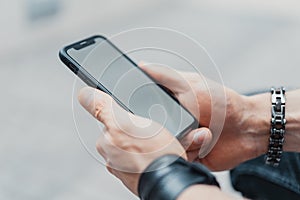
199,136
144,64
141,63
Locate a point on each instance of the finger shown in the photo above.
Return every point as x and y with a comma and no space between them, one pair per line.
110,169
116,119
100,146
196,139
101,106
104,145
193,155
166,76
177,83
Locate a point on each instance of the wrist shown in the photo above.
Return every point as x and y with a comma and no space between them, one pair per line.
256,123
292,136
203,191
168,176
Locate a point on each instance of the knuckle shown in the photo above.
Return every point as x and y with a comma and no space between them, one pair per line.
109,141
115,142
99,146
98,108
112,127
109,169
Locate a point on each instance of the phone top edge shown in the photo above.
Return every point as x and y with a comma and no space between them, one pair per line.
66,48
80,71
65,57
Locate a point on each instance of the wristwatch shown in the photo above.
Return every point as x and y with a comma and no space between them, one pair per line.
168,176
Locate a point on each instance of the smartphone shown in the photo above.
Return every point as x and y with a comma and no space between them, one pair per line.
100,64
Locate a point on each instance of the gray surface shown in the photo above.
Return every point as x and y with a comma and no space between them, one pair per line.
41,156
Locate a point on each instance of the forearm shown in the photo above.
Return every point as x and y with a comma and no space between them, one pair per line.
257,121
197,192
292,137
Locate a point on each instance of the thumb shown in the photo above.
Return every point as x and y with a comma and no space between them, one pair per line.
197,139
100,105
114,117
166,76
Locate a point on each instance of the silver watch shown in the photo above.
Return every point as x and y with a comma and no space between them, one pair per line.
277,130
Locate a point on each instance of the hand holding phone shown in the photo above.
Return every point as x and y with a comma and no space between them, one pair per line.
101,65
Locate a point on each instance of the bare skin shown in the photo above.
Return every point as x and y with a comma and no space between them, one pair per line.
129,144
205,192
234,134
246,130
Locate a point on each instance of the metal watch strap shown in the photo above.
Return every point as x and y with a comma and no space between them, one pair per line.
277,130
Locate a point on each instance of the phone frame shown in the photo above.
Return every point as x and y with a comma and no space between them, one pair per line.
86,77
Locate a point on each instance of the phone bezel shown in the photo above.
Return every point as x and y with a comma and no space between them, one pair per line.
86,77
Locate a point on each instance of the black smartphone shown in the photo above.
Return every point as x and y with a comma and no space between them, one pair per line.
100,64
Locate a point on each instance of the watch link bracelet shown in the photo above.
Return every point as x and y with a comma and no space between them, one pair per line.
277,130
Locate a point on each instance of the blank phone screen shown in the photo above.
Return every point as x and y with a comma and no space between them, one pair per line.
131,86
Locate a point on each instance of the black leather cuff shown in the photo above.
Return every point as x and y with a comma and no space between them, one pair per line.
168,176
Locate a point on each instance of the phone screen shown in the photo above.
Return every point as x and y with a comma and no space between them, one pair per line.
131,86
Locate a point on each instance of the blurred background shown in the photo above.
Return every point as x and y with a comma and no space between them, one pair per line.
254,43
